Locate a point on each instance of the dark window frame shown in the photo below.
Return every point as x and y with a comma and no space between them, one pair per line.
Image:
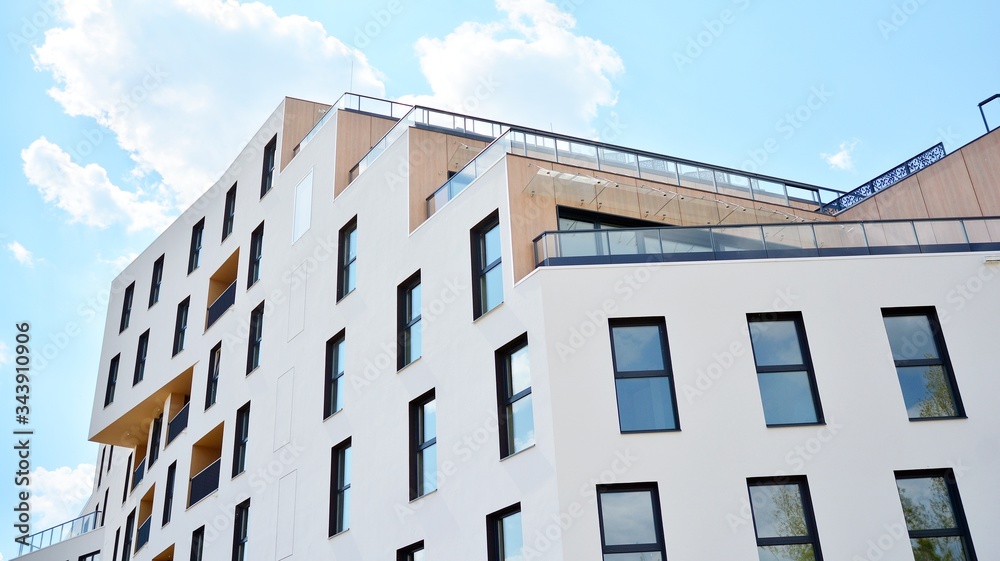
406,553
812,537
419,443
255,338
181,325
256,255
155,281
961,522
127,301
268,165
653,489
198,544
168,494
667,372
241,439
129,530
339,519
241,530
333,374
128,473
141,353
807,365
92,556
407,321
505,397
197,241
229,213
214,373
109,391
154,441
481,269
494,531
345,261
114,554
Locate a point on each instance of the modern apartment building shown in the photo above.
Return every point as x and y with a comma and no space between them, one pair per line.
392,332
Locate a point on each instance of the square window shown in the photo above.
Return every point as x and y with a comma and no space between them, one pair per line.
643,379
631,528
784,369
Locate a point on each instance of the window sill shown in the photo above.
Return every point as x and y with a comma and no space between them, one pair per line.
341,298
254,369
484,314
427,494
409,364
816,424
518,453
648,431
338,534
951,418
332,415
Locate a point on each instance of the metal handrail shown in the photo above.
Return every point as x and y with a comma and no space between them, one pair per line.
56,534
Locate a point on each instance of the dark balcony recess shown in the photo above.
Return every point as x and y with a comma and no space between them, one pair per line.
142,537
221,304
205,482
177,425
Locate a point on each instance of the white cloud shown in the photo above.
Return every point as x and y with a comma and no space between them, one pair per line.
86,193
530,68
844,159
59,495
119,263
22,254
4,357
183,84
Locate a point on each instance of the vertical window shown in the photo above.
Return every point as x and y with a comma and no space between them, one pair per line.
229,218
333,391
267,174
128,472
126,307
409,335
155,281
643,380
129,527
168,495
256,335
934,515
194,257
487,274
104,512
631,527
340,488
140,358
114,554
256,252
154,441
240,440
784,369
198,544
347,274
180,326
922,364
93,556
214,366
423,445
504,534
783,519
413,552
241,531
100,471
109,393
517,425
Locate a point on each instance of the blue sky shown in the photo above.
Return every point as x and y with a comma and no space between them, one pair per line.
119,114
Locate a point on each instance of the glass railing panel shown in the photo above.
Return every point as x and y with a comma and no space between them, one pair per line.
941,235
789,240
657,169
460,181
696,177
142,536
376,106
576,154
221,304
840,239
732,184
738,239
883,235
489,157
205,482
580,244
139,473
768,192
802,195
516,142
616,161
686,240
634,242
180,422
983,232
540,147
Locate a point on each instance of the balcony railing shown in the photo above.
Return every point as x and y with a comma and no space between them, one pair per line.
221,304
886,180
180,422
139,473
768,241
66,530
205,482
142,536
361,104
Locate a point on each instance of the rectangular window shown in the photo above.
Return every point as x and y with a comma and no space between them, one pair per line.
267,174
168,494
114,554
104,512
198,544
631,527
100,471
517,425
783,519
92,556
408,334
348,266
128,472
129,528
180,326
934,515
414,552
504,535
140,358
194,257
229,218
922,364
256,335
241,532
241,439
109,393
423,445
155,281
214,366
487,274
788,390
643,379
126,307
154,441
256,253
340,488
333,391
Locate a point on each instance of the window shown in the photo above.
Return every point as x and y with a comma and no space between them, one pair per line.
104,512
487,274
114,555
409,336
503,534
128,472
127,307
229,218
333,391
92,556
129,527
643,381
154,283
934,515
180,327
784,370
267,175
168,494
517,425
256,252
241,439
423,445
256,335
922,364
631,527
109,393
783,519
340,488
347,275
140,358
241,531
154,441
100,470
197,544
214,366
194,257
414,552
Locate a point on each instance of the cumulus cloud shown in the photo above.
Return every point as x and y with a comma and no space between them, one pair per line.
530,68
183,84
59,495
21,254
843,159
